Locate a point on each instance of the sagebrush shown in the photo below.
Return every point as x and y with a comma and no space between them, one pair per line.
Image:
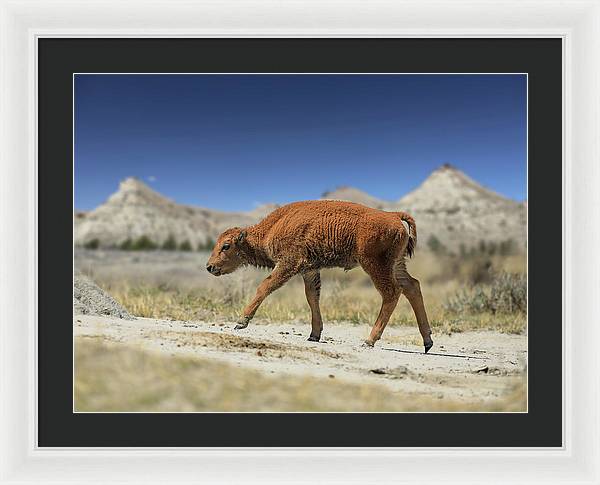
506,294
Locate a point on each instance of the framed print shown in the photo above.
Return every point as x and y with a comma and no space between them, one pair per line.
141,258
239,249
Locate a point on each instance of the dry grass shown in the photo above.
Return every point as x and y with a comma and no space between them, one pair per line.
118,377
343,300
346,297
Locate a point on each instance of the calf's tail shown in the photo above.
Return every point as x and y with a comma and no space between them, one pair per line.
412,232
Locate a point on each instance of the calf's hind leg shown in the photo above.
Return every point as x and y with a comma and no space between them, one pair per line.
388,288
312,289
412,290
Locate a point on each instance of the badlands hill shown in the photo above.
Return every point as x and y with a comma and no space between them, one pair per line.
457,210
454,208
355,195
448,205
136,210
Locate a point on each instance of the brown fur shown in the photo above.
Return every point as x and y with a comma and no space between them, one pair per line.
304,237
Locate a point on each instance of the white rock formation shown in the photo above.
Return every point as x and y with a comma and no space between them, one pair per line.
136,210
457,210
448,205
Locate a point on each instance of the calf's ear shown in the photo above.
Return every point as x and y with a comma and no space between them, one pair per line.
241,236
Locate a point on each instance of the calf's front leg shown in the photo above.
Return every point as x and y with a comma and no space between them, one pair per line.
279,276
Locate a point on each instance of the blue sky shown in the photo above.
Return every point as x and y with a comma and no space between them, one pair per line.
232,142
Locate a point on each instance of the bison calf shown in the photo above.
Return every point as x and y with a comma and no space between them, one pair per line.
303,237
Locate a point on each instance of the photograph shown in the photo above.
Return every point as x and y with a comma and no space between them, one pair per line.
300,243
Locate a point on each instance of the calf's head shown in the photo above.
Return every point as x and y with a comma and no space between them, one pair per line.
225,257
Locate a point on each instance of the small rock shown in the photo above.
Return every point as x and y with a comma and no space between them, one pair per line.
259,353
379,371
331,376
481,370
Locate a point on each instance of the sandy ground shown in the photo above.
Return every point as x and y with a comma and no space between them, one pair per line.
463,366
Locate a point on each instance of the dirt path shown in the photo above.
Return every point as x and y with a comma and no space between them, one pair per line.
463,366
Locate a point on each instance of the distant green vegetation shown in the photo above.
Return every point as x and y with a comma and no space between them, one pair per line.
92,244
145,243
126,245
435,245
185,246
170,244
483,248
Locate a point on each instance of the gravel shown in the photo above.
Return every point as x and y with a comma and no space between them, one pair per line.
89,299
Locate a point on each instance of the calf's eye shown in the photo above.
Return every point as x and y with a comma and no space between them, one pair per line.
225,247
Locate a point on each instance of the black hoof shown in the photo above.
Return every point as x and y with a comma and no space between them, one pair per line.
313,339
242,323
428,345
368,344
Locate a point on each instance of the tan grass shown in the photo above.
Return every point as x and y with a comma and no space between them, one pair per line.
340,303
346,296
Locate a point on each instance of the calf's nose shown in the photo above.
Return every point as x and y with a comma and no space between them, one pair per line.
209,268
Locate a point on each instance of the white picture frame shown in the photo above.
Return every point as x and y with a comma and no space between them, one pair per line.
576,22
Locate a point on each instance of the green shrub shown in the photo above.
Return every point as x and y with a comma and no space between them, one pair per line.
478,270
143,243
170,244
126,245
507,293
92,244
435,245
508,247
185,246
